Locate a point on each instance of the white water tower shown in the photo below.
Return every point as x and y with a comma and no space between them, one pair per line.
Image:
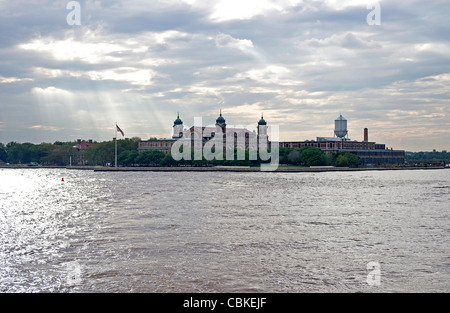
340,127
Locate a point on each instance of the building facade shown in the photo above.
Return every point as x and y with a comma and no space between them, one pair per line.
199,136
372,154
163,145
81,145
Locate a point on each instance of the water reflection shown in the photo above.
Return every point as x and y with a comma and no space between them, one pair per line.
223,232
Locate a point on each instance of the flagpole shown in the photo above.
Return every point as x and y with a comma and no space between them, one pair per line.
115,154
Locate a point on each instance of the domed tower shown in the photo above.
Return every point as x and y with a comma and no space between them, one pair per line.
221,126
340,127
262,126
178,127
262,139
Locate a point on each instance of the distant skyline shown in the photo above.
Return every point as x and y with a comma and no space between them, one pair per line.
301,62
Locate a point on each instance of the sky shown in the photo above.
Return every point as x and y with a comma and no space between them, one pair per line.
301,63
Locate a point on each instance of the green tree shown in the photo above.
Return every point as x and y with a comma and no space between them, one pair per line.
103,153
341,159
45,150
429,156
353,159
127,157
168,161
3,155
100,153
151,158
52,154
283,154
22,153
294,157
312,156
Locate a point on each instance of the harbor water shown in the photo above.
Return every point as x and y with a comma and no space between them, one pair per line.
386,231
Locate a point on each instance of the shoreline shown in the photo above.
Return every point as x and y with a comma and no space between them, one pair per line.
221,169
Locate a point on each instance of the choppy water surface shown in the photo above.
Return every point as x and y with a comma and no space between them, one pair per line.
223,232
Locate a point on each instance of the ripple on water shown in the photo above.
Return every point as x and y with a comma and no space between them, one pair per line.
223,232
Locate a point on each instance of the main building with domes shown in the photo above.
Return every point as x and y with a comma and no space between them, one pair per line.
233,138
372,154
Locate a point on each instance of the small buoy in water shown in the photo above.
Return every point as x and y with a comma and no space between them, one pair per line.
62,179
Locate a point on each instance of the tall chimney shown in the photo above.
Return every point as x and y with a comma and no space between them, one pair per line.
366,134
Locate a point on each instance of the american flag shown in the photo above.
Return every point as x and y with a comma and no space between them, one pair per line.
119,130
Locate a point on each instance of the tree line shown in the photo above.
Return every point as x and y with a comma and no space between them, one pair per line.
103,154
311,156
434,156
306,156
64,153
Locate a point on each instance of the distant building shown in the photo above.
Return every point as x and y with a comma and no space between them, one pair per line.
242,138
81,145
163,145
370,153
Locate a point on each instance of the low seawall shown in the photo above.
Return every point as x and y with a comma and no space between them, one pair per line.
218,169
244,169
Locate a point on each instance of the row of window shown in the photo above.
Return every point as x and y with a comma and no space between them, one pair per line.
330,145
384,153
380,161
155,144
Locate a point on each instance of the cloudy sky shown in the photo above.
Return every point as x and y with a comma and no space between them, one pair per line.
301,62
